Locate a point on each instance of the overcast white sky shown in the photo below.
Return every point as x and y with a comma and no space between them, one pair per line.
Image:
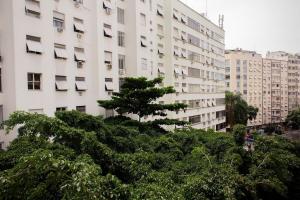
260,25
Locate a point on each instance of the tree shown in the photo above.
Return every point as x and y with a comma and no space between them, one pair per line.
252,112
79,156
237,110
138,96
293,119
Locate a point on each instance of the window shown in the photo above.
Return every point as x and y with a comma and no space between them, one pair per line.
143,41
78,25
34,81
160,10
33,44
79,56
144,63
60,51
1,114
107,57
143,19
61,83
58,21
121,39
80,84
32,8
61,109
121,61
121,16
107,31
107,6
0,80
81,108
109,86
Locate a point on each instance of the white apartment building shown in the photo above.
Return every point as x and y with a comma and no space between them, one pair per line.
67,54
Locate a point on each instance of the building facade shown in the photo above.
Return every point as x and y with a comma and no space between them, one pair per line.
267,84
244,76
67,54
293,62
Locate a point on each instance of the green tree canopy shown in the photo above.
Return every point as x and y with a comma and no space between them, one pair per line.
237,110
138,96
79,156
293,119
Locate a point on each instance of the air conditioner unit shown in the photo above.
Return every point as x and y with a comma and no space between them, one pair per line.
79,64
109,66
121,71
60,29
77,3
108,11
79,36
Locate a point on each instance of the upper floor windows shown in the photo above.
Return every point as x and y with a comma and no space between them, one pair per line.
61,83
34,81
143,19
0,80
107,30
121,39
121,16
107,6
160,10
33,44
58,21
60,51
79,56
78,25
32,8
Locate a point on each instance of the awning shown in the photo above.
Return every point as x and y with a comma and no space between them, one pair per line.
80,86
108,32
107,5
61,85
184,90
184,72
183,54
109,86
143,43
160,51
177,71
184,37
176,52
175,15
160,11
79,56
33,46
183,19
161,70
32,7
60,53
79,27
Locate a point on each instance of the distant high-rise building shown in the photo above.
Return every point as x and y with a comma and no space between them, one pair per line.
262,82
64,55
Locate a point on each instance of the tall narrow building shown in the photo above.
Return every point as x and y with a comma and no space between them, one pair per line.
66,54
244,76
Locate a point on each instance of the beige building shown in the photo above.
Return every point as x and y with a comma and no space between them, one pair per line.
244,76
293,76
67,54
263,83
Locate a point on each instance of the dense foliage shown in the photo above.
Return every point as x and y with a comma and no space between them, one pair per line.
78,156
293,119
138,96
237,110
